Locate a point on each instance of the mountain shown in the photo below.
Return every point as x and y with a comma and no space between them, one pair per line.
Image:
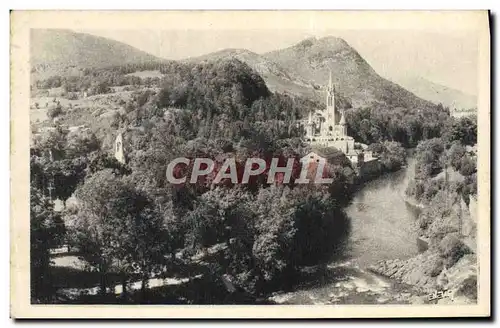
312,59
302,69
277,78
438,93
55,51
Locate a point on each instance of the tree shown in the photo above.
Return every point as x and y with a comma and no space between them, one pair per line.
468,166
321,226
218,214
53,143
118,229
54,112
294,228
81,144
429,158
38,176
45,232
391,154
463,130
66,175
406,124
275,228
100,87
100,161
148,243
455,155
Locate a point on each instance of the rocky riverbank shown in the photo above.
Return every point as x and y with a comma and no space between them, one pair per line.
449,261
460,280
413,202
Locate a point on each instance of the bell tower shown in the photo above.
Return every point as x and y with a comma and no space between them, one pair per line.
330,121
310,125
118,150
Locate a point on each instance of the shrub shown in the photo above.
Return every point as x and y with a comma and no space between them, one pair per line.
415,189
431,188
452,249
437,267
468,288
425,220
54,112
467,166
391,154
72,96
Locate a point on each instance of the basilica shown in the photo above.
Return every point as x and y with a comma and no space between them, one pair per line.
329,129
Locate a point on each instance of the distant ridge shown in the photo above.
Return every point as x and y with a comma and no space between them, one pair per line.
56,51
312,59
277,78
301,69
438,93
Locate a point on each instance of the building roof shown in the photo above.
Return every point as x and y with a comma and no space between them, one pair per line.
311,153
331,154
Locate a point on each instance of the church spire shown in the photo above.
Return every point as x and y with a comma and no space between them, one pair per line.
342,123
342,118
119,151
330,82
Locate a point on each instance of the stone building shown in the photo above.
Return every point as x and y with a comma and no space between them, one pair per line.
329,129
462,112
118,149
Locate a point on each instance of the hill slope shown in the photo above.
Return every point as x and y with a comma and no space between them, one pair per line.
312,59
56,51
277,78
438,93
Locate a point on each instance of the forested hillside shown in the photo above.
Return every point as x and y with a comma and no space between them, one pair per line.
130,224
217,110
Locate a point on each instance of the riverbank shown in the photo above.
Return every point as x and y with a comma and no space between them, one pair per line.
448,262
382,227
347,283
413,202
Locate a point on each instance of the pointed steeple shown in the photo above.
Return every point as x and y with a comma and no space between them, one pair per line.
119,151
342,118
330,82
342,123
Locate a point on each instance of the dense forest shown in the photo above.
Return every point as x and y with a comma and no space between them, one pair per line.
448,151
130,224
445,185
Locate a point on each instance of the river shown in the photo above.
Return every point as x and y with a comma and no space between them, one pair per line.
382,228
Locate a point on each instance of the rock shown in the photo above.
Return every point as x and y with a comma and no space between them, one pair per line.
97,112
122,111
463,279
108,114
417,300
436,267
468,288
392,272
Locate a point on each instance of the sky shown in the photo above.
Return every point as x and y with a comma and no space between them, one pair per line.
450,59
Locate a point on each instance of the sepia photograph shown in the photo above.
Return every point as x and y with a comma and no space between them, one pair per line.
258,161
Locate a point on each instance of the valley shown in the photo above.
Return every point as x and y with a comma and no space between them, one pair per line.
106,119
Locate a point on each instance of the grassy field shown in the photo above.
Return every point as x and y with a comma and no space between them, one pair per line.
146,74
96,112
